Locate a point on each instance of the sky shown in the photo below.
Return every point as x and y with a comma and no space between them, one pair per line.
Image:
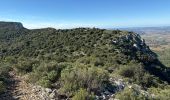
86,13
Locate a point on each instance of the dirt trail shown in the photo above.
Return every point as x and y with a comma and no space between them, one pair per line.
18,89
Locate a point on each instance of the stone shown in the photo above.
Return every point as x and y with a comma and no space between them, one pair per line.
48,90
104,97
111,99
52,95
97,97
129,86
107,92
114,41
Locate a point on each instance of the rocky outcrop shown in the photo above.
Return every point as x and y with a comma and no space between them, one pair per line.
120,85
133,45
11,26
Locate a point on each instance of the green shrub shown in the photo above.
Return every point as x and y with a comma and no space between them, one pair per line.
127,70
45,82
42,79
2,87
161,93
52,76
91,78
33,77
4,69
24,66
46,67
82,94
98,62
11,60
46,74
146,80
60,59
137,74
130,94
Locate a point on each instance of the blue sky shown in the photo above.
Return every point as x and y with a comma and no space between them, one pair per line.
86,13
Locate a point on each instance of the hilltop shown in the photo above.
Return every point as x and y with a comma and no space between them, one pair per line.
87,63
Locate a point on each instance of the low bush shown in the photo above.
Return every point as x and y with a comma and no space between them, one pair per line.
2,87
33,77
45,82
46,74
98,62
46,66
4,69
137,73
91,78
52,76
161,94
127,71
83,94
25,65
130,94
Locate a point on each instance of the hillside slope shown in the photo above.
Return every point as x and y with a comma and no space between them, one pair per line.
81,62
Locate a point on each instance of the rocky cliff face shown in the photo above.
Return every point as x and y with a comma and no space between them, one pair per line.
10,26
134,46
